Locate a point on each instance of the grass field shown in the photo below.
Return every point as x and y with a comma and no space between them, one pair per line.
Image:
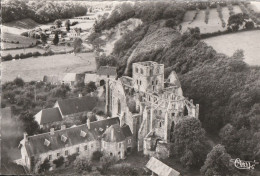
19,51
23,23
214,23
35,68
255,6
23,41
248,41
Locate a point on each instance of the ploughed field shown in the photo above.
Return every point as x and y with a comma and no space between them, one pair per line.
214,23
229,43
35,68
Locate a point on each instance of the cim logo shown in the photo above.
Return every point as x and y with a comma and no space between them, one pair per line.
240,164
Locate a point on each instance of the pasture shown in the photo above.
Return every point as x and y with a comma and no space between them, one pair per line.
35,68
13,41
24,51
255,6
214,22
228,44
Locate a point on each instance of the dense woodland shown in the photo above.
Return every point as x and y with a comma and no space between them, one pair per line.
226,88
40,11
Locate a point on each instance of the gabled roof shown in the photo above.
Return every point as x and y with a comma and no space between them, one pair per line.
35,144
126,131
118,133
48,116
77,105
107,70
100,126
160,168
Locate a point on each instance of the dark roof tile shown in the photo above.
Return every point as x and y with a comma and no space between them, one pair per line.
77,105
107,70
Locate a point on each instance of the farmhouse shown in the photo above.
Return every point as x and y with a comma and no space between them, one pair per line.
150,105
74,33
82,140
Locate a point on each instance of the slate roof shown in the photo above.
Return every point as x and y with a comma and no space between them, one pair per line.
48,116
160,168
77,105
35,144
99,127
118,133
107,70
126,131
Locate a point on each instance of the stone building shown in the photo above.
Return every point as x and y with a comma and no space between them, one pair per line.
83,140
105,72
78,106
150,104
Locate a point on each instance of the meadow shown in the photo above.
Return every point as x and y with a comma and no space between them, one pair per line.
255,6
248,41
35,68
214,22
13,41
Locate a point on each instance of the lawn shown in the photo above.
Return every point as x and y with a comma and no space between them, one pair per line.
9,38
35,68
248,41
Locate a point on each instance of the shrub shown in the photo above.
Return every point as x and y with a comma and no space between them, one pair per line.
96,156
28,55
7,57
44,166
17,42
106,163
72,157
16,56
74,23
25,34
82,165
58,162
100,113
22,56
36,53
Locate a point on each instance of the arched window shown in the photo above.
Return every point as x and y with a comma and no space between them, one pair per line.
136,70
142,71
118,107
160,124
151,72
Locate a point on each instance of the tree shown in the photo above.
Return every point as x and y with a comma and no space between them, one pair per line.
19,82
67,25
239,54
56,39
237,20
106,163
29,124
190,142
59,161
44,166
77,44
249,25
96,155
58,23
43,38
90,87
82,165
218,162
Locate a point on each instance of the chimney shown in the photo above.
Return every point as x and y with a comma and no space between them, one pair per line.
88,123
63,127
112,134
52,131
80,95
25,136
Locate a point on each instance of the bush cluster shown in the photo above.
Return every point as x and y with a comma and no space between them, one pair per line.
26,55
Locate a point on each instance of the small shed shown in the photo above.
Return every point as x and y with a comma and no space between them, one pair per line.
161,169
